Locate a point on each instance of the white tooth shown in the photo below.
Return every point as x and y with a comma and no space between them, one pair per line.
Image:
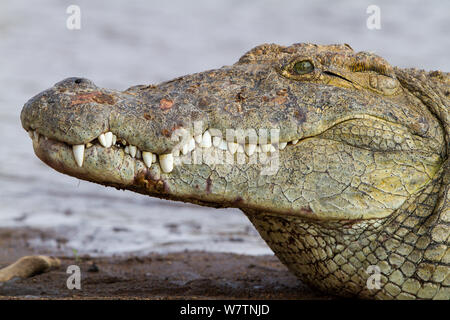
265,147
147,156
108,139
223,145
232,147
114,139
138,154
194,157
36,135
272,148
294,141
240,136
166,162
30,133
153,158
78,153
191,145
282,145
88,145
198,138
102,139
185,149
240,148
127,150
176,152
133,151
206,140
250,149
216,141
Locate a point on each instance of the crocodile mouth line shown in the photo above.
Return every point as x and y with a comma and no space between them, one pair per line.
203,143
188,147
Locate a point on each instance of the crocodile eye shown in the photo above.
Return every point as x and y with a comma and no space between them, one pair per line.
303,67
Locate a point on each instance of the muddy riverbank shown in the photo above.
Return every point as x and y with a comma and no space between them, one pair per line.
178,275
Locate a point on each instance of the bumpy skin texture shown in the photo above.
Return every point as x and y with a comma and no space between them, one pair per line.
366,185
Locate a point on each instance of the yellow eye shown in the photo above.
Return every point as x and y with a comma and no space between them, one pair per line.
303,67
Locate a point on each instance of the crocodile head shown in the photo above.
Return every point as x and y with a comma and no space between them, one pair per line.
309,133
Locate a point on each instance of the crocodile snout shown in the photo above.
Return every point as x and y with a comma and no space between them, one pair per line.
73,111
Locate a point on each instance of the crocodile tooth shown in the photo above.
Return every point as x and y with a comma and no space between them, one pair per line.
198,138
194,156
250,149
78,153
127,150
147,157
114,139
282,145
133,151
240,136
272,148
206,140
138,154
166,162
102,139
223,145
265,147
240,148
108,139
191,145
88,145
232,147
154,158
185,148
294,141
216,141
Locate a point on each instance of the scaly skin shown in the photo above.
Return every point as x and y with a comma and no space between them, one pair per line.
366,185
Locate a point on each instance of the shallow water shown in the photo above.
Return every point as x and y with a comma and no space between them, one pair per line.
124,43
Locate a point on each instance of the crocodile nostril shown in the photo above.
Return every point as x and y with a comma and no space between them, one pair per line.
75,82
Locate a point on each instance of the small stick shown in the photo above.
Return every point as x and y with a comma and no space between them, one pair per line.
28,266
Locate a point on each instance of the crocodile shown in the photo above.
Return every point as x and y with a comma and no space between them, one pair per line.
339,159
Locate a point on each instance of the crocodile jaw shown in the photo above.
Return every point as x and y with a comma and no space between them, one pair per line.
315,178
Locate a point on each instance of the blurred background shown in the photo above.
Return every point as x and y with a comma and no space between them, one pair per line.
125,43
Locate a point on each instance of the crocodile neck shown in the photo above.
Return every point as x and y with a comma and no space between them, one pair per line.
338,257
